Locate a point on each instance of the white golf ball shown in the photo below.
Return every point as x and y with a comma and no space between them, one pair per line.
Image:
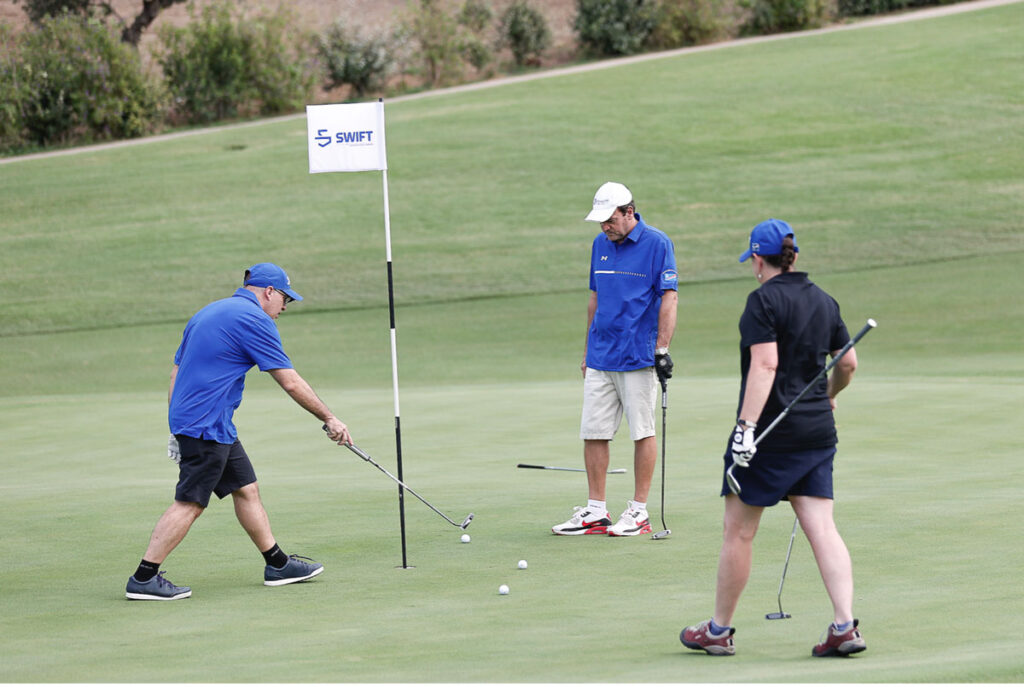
503,589
522,565
465,539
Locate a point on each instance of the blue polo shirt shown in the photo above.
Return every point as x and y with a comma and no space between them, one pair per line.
629,279
220,344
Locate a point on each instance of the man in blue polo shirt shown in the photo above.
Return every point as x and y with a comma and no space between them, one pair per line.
221,343
631,318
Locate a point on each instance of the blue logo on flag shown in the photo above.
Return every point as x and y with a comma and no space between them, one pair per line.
360,138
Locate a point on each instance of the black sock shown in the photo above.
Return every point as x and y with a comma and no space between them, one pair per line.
275,557
146,571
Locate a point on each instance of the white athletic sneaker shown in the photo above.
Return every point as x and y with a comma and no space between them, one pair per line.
633,521
584,521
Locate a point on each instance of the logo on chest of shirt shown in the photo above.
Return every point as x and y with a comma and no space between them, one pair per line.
604,258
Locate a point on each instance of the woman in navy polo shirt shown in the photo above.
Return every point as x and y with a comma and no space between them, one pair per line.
788,328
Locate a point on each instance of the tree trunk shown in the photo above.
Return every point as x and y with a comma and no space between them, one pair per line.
150,10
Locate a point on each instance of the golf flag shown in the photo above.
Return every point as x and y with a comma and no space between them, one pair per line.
350,138
346,137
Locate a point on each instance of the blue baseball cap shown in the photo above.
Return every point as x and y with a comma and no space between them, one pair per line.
269,274
767,237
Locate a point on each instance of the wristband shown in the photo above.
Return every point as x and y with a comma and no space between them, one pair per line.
747,423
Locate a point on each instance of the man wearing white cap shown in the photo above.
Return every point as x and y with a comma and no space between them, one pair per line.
631,318
220,344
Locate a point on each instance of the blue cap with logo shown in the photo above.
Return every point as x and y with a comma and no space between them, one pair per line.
269,274
767,237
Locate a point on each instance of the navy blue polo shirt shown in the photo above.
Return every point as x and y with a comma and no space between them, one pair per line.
220,344
629,279
805,324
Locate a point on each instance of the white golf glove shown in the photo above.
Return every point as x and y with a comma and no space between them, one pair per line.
173,450
743,448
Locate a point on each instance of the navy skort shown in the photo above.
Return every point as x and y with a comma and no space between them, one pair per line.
208,467
772,477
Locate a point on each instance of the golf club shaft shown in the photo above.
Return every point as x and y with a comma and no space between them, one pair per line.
664,409
616,471
362,454
731,480
824,372
789,552
365,456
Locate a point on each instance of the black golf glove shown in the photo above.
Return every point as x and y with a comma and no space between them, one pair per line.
663,366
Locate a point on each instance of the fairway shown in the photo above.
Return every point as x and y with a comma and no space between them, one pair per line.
895,153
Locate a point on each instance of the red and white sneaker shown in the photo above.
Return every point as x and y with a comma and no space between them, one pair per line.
699,637
584,521
632,522
840,643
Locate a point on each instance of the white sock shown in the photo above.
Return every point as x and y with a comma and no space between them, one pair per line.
597,506
640,506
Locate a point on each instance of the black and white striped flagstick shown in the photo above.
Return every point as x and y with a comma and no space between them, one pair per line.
394,353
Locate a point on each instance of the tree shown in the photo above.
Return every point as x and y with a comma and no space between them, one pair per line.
131,33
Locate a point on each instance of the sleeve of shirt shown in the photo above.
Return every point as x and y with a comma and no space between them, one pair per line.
181,346
263,344
840,335
593,252
669,278
757,323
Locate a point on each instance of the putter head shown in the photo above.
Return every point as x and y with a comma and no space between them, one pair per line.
465,523
777,616
661,535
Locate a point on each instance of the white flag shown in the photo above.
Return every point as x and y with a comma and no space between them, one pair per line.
346,138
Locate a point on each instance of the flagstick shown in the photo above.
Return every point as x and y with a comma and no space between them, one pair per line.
394,354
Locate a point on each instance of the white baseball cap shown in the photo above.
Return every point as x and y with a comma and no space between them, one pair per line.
611,195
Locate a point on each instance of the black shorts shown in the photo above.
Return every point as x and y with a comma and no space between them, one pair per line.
210,468
772,477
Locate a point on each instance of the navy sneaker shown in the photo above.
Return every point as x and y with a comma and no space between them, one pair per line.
297,569
157,588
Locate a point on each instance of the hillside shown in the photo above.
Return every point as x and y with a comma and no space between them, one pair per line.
373,15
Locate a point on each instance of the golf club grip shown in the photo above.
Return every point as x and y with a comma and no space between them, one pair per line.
535,467
358,451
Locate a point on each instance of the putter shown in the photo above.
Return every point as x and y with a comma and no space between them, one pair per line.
664,406
782,615
616,471
362,454
730,478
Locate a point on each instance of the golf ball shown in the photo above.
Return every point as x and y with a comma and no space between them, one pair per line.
522,565
503,589
465,539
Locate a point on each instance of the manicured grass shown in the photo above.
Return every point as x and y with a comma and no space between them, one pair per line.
917,522
894,152
888,145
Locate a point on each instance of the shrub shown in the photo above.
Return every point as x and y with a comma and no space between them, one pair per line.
38,9
687,22
70,80
12,92
221,66
853,8
525,32
474,17
614,27
361,62
776,16
435,35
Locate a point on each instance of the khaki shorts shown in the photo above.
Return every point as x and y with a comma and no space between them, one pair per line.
609,395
